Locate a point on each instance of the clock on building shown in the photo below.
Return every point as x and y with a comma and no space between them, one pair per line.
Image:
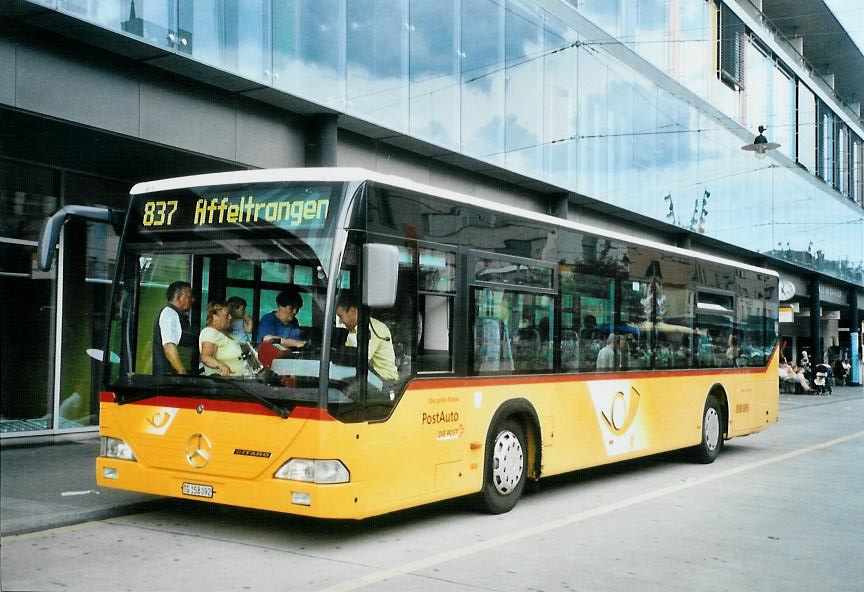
786,290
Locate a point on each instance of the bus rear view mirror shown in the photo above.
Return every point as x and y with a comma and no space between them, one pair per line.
50,235
381,275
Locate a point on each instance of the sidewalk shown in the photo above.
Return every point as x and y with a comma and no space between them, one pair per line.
844,392
53,484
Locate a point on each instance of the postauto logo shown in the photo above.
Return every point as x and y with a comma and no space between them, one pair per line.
616,404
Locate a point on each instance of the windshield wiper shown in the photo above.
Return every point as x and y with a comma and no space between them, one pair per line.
280,411
140,387
170,383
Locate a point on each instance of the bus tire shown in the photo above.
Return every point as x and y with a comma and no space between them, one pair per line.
712,432
505,469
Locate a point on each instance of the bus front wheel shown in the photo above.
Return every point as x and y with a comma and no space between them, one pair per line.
712,432
505,468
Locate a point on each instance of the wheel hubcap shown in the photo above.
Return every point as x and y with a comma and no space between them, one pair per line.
712,428
507,462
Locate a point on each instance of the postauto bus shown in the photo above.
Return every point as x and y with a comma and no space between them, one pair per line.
490,345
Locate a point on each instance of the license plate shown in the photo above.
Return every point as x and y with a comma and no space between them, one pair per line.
198,490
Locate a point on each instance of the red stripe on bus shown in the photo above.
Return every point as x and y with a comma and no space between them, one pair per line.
311,413
473,381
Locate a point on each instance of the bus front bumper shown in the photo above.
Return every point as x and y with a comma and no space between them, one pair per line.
337,500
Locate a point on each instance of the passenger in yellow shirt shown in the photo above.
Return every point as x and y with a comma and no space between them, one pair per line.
220,353
381,353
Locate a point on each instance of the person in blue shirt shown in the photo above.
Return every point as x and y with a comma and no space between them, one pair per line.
282,323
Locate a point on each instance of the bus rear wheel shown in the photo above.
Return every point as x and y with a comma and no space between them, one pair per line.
505,468
712,432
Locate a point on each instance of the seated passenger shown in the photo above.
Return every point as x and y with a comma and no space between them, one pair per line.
733,352
607,357
282,323
789,373
240,326
381,354
220,353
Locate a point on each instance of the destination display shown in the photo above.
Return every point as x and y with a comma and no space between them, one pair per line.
187,210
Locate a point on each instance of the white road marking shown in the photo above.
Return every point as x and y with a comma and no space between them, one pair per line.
460,552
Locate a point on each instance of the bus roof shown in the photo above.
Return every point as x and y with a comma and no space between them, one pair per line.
349,174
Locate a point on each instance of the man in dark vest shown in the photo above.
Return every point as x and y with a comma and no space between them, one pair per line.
171,330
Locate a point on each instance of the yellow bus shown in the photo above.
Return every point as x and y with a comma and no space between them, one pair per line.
438,345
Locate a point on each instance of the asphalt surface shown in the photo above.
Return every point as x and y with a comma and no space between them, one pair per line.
48,485
51,484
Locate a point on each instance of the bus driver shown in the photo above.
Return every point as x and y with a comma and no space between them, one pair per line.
381,352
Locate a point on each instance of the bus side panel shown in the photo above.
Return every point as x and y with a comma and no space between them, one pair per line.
432,447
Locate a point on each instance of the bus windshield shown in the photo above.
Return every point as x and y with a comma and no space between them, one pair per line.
229,278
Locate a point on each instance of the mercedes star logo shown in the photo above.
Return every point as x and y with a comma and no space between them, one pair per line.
198,450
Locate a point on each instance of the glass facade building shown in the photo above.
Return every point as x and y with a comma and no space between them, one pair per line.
640,104
590,96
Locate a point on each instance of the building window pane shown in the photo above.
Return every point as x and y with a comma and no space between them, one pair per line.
730,48
843,160
377,66
781,120
434,71
483,79
806,127
603,13
592,113
857,172
826,145
309,50
523,87
28,194
560,86
27,309
759,78
232,34
155,21
652,32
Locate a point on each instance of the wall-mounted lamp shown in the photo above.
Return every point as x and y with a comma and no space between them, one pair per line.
760,144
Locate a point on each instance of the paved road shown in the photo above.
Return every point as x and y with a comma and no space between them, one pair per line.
781,510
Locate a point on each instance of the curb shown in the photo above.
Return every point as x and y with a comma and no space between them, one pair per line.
17,526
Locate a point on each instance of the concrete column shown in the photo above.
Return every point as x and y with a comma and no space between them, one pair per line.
320,142
854,336
815,321
683,241
559,205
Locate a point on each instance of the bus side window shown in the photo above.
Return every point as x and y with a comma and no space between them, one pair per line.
716,325
437,290
435,354
587,313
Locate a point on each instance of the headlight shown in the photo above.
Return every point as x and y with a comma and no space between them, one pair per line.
313,471
115,448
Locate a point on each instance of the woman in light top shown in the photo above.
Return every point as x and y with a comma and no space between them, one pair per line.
220,353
